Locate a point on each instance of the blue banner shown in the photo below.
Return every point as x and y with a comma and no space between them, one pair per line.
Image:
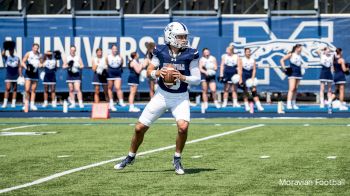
269,39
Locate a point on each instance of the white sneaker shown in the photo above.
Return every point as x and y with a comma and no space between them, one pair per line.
343,108
134,109
54,104
247,107
33,108
72,105
236,105
4,106
224,105
112,108
289,107
217,105
260,108
122,104
13,105
206,105
295,107
81,106
322,105
44,105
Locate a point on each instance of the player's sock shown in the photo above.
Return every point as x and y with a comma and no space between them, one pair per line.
177,154
131,154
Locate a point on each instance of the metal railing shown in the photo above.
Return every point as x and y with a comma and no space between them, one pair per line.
173,7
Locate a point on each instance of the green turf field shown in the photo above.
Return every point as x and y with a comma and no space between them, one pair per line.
295,152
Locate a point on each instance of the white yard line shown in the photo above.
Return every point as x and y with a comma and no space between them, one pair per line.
57,175
21,127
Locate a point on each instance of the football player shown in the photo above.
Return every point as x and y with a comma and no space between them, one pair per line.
175,97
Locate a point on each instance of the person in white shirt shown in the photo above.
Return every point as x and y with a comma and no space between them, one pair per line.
114,77
74,66
49,80
208,66
228,71
32,61
99,67
247,67
13,71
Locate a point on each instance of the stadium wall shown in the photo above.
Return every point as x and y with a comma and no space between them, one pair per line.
269,39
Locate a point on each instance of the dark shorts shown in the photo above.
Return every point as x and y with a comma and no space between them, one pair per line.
205,78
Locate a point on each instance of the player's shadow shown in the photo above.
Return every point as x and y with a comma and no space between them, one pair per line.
197,170
187,171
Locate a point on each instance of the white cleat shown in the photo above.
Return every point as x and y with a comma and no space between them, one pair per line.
322,105
122,104
54,105
44,105
13,105
81,106
4,106
247,108
72,105
178,166
289,107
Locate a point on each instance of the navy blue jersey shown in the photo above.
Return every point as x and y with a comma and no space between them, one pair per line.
181,63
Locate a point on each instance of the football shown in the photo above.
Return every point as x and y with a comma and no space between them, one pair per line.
168,78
